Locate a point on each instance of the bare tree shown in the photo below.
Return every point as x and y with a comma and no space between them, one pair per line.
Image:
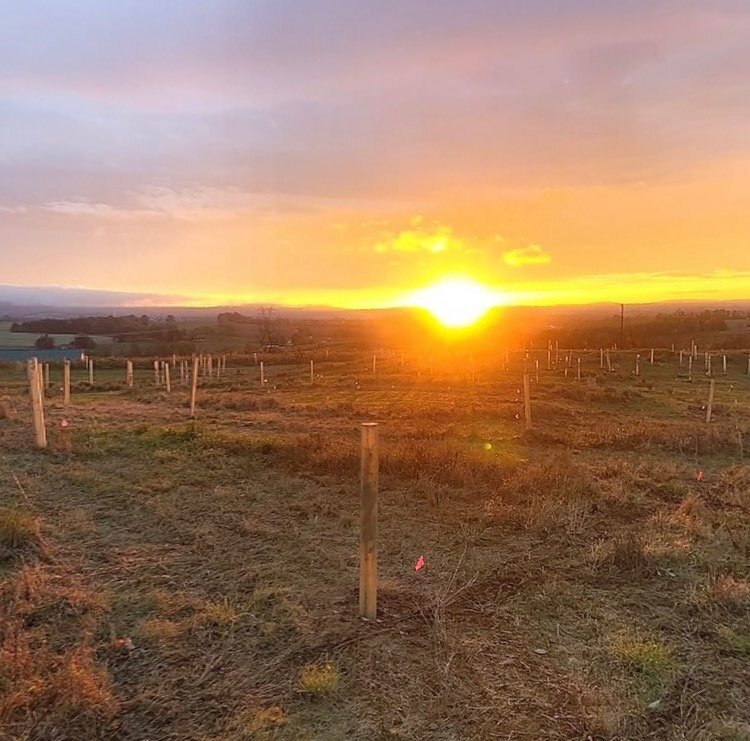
266,325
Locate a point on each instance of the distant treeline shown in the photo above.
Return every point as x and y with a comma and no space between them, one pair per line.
713,327
123,329
106,325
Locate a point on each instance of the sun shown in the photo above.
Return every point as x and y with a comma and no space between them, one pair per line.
456,302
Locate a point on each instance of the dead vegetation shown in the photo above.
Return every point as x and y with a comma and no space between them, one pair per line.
170,579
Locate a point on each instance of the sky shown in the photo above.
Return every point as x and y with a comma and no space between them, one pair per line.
352,153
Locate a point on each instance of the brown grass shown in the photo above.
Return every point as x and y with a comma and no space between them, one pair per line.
201,577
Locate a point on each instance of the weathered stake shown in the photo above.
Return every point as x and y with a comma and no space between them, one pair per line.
312,371
194,386
527,401
66,382
262,375
368,546
129,373
167,378
709,406
37,407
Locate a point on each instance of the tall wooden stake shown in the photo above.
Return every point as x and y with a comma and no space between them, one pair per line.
709,406
262,376
129,373
368,545
167,378
194,386
66,382
37,406
312,371
91,371
527,401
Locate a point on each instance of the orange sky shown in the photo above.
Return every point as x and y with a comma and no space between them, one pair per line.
313,154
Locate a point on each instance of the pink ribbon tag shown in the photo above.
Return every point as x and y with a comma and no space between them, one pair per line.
419,564
63,423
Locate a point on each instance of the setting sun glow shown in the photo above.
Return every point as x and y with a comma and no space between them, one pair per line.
456,302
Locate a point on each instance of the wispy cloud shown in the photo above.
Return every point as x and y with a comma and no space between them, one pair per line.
531,255
420,237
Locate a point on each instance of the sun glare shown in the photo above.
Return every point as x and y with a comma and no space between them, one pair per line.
456,302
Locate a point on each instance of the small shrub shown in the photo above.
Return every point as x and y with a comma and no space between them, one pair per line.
17,530
738,642
318,679
649,660
219,613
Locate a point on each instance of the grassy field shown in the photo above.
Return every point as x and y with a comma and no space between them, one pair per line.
10,339
162,578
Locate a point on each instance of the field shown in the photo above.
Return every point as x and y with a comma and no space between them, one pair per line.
163,578
10,339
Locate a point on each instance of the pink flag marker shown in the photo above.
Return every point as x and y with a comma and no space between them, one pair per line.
63,423
419,564
699,475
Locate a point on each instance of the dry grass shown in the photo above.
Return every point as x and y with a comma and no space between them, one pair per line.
201,580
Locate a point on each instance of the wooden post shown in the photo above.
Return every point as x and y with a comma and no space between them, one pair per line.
709,369
690,368
174,360
167,378
578,375
680,358
652,356
638,364
91,371
609,363
709,406
536,369
129,373
66,381
724,365
374,364
601,358
210,366
527,401
368,545
37,407
194,386
312,371
156,372
262,376
549,359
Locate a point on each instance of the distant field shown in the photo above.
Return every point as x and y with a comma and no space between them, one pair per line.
27,339
587,579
